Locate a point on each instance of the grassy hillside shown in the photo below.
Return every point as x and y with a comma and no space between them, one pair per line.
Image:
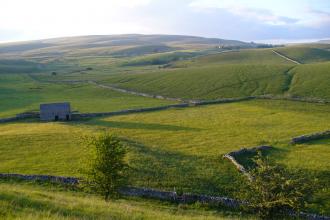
159,59
108,44
30,202
253,56
234,74
305,54
208,82
142,50
18,66
190,157
176,148
311,80
19,93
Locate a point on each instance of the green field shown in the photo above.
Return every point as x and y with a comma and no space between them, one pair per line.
306,54
19,93
251,56
311,80
30,201
190,157
175,149
233,74
209,82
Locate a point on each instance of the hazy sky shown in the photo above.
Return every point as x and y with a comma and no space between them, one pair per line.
240,19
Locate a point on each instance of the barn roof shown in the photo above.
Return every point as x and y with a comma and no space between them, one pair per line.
63,105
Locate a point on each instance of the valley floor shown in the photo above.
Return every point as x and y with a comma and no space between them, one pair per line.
190,157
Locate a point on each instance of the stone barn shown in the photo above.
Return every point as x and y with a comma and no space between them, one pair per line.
55,112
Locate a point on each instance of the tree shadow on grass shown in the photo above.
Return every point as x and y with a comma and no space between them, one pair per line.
138,125
158,168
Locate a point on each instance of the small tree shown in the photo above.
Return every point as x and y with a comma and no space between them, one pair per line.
106,169
275,190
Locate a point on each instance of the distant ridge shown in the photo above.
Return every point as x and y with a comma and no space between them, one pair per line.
107,44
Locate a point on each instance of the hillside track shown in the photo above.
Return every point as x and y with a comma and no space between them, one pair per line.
287,58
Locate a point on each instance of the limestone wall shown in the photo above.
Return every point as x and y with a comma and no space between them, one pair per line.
20,116
310,137
136,191
231,157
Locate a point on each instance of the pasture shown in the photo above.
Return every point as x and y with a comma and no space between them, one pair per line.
19,93
31,201
174,149
190,157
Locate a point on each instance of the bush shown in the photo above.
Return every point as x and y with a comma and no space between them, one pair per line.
106,169
275,190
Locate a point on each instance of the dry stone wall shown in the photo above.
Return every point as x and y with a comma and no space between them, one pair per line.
310,137
231,157
77,116
136,191
20,116
157,194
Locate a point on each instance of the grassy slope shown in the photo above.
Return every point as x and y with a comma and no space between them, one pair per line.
306,54
208,82
236,74
20,93
228,74
189,157
160,59
251,56
16,66
29,201
311,80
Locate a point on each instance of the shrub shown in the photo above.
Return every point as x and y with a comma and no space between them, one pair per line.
275,190
106,169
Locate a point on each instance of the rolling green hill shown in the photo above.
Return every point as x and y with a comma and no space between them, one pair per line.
19,66
311,80
20,93
211,82
305,54
174,148
252,56
109,44
142,50
160,59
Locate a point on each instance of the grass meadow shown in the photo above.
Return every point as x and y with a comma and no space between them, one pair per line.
190,156
19,93
174,149
34,201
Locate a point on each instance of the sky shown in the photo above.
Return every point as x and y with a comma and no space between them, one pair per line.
247,20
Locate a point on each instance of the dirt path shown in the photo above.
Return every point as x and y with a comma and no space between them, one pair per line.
285,57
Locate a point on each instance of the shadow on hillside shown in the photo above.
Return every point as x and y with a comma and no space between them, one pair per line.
138,125
158,168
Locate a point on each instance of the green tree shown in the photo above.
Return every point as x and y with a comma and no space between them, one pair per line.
275,190
106,167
